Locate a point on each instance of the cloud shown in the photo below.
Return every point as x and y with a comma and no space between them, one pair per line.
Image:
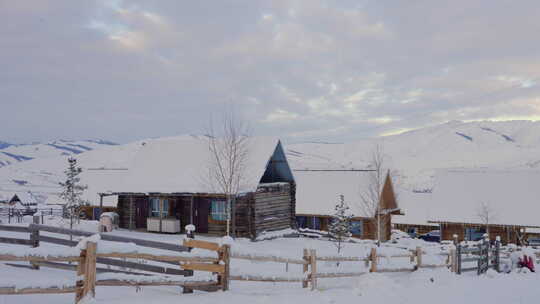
297,69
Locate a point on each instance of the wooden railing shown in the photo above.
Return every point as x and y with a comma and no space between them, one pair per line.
310,270
89,258
36,236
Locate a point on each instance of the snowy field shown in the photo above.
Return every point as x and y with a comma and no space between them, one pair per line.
424,286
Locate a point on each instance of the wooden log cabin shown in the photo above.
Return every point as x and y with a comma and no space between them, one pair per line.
167,188
318,193
462,201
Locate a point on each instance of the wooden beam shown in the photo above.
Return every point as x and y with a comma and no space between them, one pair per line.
167,258
241,256
23,291
11,228
204,267
254,278
305,267
34,258
90,272
15,241
340,275
201,244
341,259
313,260
373,259
144,267
112,282
226,258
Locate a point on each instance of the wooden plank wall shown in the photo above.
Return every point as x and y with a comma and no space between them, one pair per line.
243,215
124,211
273,208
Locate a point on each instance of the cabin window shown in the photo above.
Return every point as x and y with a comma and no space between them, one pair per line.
156,208
218,210
474,234
301,221
357,228
315,223
165,208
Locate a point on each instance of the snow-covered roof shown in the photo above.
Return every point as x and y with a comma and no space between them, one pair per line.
181,164
26,198
414,207
317,192
513,197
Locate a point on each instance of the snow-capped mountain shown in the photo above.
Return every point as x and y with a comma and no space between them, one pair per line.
14,153
413,156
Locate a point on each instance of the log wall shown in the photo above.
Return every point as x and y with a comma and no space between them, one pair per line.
273,208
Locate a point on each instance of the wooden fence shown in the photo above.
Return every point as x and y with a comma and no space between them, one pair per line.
15,215
187,264
36,237
311,274
87,270
483,254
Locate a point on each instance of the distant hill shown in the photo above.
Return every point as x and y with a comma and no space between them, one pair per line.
15,153
413,156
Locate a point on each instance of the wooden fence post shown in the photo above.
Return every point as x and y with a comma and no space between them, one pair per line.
418,257
452,260
305,268
373,259
498,254
313,259
458,260
34,238
90,273
79,284
226,257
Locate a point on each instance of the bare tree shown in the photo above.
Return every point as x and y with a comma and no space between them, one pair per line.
229,150
370,195
486,214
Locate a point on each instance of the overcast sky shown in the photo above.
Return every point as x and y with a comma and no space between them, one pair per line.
333,70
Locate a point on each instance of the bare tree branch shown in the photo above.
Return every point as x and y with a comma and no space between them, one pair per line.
229,152
486,214
370,195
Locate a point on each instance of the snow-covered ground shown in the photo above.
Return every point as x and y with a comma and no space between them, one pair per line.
423,286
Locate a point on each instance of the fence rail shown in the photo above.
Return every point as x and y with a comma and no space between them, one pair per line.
311,274
89,258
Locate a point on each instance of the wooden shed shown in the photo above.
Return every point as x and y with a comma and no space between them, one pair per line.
318,192
167,188
26,199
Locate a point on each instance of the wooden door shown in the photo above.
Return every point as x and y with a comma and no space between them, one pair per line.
202,211
141,212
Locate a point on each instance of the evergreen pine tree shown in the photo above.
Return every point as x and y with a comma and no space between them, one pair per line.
340,224
72,190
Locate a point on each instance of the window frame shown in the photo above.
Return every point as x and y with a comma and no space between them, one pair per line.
159,207
219,215
154,212
360,226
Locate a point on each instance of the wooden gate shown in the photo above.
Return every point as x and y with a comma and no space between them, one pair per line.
485,256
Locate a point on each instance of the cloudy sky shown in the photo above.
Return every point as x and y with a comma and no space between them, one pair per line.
125,70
